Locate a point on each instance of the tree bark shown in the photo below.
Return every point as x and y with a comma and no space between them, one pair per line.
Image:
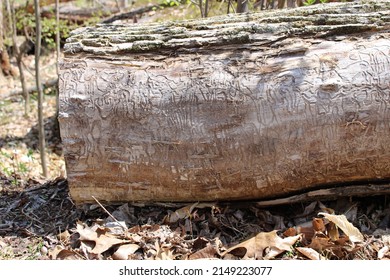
248,106
58,53
242,6
42,142
2,48
19,57
4,57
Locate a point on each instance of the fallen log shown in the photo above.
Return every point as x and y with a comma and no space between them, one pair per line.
30,89
248,106
133,13
71,12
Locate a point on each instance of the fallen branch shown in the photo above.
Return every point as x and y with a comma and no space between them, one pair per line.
133,13
49,83
330,194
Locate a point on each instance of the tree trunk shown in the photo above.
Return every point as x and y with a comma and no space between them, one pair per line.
19,60
5,63
58,53
2,48
42,142
242,6
248,106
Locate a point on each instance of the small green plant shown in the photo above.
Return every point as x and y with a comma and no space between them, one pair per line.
34,250
6,254
26,21
23,168
15,169
288,254
9,171
171,3
30,154
312,2
309,2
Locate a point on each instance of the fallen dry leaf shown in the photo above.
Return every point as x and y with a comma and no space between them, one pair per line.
123,252
200,243
309,253
320,243
67,255
63,236
60,253
2,244
206,253
103,241
290,232
255,247
180,214
309,209
306,232
54,252
163,252
318,225
341,221
342,241
333,231
382,252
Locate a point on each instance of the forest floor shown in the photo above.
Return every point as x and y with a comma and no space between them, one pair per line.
38,219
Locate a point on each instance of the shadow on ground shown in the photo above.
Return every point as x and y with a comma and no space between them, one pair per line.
31,139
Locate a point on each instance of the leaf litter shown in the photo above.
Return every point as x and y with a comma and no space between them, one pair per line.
44,215
340,221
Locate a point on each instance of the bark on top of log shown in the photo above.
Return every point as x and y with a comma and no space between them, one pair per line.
256,28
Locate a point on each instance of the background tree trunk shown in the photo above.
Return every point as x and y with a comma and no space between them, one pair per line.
2,48
4,57
58,53
248,106
19,60
242,6
42,142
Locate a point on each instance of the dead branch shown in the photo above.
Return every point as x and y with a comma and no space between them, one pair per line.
330,194
132,14
15,92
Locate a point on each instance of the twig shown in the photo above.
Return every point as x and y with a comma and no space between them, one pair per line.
109,214
40,187
131,14
330,194
32,218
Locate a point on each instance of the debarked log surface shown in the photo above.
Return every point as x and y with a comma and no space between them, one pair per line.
246,106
